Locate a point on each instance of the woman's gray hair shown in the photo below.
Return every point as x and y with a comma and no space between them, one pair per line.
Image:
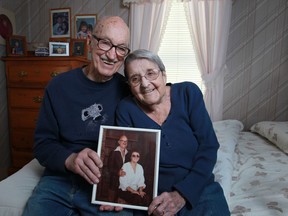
143,54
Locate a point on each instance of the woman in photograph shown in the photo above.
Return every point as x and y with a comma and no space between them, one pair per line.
132,184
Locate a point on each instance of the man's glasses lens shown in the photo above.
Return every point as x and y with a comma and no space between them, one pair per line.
106,45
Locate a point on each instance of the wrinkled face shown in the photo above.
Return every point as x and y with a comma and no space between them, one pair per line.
107,63
147,92
123,141
135,156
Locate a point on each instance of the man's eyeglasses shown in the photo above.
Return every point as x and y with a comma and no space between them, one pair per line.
106,45
135,155
149,75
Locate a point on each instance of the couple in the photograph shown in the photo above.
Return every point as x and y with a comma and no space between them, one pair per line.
127,181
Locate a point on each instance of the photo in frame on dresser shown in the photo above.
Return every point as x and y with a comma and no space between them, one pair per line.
16,46
78,47
58,49
84,23
134,182
60,22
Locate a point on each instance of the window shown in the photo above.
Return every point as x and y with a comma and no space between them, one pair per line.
176,49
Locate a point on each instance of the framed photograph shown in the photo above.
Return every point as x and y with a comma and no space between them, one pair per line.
58,49
78,47
132,182
84,23
60,23
16,46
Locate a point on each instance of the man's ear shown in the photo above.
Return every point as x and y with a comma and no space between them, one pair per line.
89,42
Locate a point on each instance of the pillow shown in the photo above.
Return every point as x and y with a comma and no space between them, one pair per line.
227,132
17,188
276,132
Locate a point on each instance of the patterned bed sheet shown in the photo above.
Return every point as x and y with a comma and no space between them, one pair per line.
259,184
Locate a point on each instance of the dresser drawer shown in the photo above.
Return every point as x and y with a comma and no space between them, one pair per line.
21,118
34,75
25,98
22,139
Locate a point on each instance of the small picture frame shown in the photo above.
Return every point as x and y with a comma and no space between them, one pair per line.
78,47
16,45
84,23
58,49
60,23
142,152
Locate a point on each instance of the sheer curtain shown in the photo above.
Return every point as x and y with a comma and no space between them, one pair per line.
147,21
209,22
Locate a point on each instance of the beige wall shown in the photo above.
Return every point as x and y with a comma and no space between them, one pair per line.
256,87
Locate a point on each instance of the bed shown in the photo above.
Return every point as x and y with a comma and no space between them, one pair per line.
251,167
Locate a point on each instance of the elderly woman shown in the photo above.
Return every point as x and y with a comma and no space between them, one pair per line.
188,142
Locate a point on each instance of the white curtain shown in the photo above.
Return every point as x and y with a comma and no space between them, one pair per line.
209,21
147,21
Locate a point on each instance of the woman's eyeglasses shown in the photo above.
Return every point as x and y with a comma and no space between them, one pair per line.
150,75
133,155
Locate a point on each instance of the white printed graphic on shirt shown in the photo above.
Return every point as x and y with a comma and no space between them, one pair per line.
94,111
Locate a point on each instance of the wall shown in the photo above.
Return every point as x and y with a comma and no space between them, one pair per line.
33,16
256,87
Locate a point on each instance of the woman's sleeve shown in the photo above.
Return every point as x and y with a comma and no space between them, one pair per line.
124,180
204,162
141,182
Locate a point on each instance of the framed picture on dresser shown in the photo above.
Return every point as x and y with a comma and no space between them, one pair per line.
78,47
16,46
60,23
132,181
58,49
84,23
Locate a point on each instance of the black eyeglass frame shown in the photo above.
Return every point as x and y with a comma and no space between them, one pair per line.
124,48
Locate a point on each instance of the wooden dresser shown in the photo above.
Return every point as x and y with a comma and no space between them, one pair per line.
26,80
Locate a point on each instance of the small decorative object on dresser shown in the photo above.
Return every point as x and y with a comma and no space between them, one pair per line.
26,80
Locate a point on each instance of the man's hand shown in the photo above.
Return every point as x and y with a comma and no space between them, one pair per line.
110,208
86,163
121,173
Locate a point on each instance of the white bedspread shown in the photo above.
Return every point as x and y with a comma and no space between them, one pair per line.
260,178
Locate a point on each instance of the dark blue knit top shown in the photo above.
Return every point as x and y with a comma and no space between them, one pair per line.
189,145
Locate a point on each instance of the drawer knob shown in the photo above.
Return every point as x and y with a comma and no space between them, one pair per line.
22,74
54,74
38,99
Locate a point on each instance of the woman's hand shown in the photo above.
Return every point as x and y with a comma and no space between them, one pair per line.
167,204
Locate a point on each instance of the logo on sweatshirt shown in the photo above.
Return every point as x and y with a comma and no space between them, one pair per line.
94,112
